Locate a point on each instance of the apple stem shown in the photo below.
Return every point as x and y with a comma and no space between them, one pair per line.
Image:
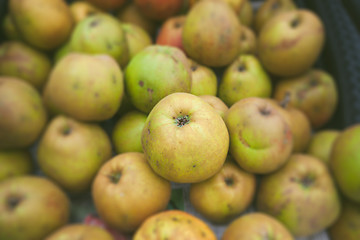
285,102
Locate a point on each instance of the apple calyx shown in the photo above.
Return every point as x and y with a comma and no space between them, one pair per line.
241,67
229,181
66,130
295,22
265,111
115,177
13,201
182,120
305,181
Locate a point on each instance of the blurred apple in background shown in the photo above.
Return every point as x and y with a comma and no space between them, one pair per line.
244,78
71,152
107,5
9,30
345,162
302,195
83,9
203,79
248,41
225,195
314,93
32,204
126,191
321,144
159,10
261,140
291,42
219,106
126,134
23,114
137,38
79,231
170,32
15,163
256,225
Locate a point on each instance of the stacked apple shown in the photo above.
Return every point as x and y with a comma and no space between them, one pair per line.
125,100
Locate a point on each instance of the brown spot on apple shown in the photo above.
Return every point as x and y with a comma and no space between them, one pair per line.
141,83
242,140
94,23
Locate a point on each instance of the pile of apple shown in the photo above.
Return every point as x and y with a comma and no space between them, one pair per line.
123,99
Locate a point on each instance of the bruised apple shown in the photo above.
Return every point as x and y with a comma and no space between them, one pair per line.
184,139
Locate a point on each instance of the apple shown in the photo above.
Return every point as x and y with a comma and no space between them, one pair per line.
126,134
302,195
245,12
203,79
159,10
347,226
137,38
248,41
8,28
321,143
219,106
15,163
23,114
268,9
314,93
79,231
170,32
71,152
19,60
256,225
174,224
225,195
244,78
184,139
108,5
83,9
291,42
126,191
154,73
261,140
345,162
85,87
31,208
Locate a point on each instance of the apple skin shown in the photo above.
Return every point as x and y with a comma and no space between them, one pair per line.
270,8
85,87
154,73
126,191
244,78
347,226
170,32
107,5
313,92
291,42
23,114
33,204
203,79
159,10
303,182
174,224
126,135
225,195
71,152
137,38
321,144
82,9
345,162
24,62
260,138
79,231
256,226
248,41
219,106
184,139
15,163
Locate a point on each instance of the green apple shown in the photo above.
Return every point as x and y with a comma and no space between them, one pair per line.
80,231
85,87
314,93
126,135
203,79
22,61
244,78
219,106
126,191
347,226
225,195
256,225
321,144
82,9
248,41
261,140
71,152
291,42
31,208
174,224
345,162
22,113
184,139
137,38
15,163
154,73
301,194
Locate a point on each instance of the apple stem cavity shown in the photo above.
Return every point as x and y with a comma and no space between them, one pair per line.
13,201
241,68
66,130
295,22
193,68
182,120
229,181
115,177
265,111
307,181
177,24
